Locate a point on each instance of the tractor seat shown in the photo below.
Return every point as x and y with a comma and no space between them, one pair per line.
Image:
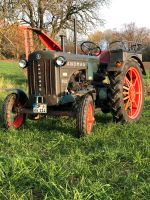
105,57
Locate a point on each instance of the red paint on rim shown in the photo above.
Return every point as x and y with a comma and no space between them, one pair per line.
89,118
132,92
17,118
18,121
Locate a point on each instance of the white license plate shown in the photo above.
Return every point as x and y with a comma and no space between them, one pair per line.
40,108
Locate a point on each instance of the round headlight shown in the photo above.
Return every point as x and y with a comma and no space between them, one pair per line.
61,61
22,63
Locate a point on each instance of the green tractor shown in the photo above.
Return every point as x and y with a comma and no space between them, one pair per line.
79,85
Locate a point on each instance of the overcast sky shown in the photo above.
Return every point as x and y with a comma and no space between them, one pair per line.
122,12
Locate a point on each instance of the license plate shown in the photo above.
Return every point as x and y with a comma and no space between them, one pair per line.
40,108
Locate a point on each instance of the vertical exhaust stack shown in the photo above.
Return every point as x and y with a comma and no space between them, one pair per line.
75,35
62,38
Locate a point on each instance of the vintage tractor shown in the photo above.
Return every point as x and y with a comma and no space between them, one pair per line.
78,85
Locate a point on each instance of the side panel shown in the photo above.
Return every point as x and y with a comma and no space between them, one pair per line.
67,70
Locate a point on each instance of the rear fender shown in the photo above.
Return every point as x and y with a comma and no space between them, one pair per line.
113,68
141,64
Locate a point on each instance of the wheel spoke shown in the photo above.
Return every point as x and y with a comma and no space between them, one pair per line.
135,104
131,108
139,93
86,46
127,105
131,76
125,98
127,82
136,81
126,88
125,93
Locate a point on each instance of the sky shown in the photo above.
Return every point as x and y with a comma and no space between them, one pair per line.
121,12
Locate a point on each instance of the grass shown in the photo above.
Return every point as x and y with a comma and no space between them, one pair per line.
44,161
147,83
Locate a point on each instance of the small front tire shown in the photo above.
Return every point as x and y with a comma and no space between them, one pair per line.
85,116
11,116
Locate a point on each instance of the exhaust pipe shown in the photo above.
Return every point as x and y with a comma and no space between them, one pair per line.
62,38
75,35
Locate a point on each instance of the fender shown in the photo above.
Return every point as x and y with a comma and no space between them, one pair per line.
20,94
111,66
141,64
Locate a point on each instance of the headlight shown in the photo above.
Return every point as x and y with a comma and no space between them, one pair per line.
23,63
61,61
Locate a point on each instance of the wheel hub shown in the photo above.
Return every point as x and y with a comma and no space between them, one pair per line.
132,93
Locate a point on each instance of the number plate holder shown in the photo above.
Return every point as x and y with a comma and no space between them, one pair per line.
39,108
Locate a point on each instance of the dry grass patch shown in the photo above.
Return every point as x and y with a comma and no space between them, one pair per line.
6,84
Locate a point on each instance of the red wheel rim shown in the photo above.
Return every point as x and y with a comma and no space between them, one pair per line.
18,121
132,92
17,118
90,118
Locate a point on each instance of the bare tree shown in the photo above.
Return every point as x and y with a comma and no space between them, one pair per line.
53,15
99,35
96,36
11,41
131,32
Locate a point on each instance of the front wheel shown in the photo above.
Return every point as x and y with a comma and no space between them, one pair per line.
127,94
10,112
85,116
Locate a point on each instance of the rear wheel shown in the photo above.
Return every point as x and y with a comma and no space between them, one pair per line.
10,113
85,116
127,96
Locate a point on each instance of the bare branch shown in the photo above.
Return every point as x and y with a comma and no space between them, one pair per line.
53,15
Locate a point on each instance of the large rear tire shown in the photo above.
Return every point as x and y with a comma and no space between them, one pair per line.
127,92
85,116
11,116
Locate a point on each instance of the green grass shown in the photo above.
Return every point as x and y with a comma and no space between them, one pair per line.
44,160
12,74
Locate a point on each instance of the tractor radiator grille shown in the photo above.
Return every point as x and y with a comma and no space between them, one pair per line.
41,78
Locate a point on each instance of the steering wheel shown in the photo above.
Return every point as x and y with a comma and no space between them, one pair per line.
90,48
117,44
